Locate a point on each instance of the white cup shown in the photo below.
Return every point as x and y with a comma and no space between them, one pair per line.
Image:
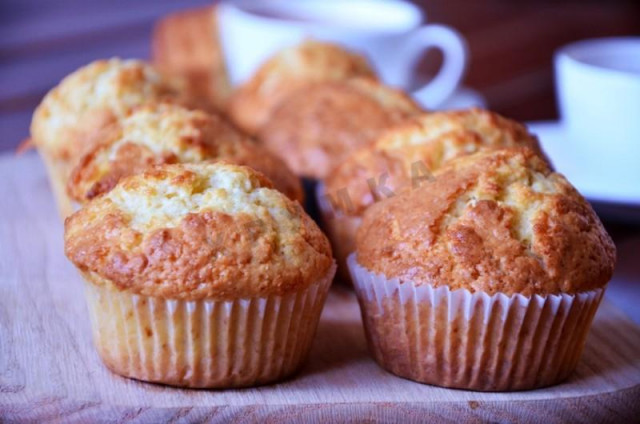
390,33
598,86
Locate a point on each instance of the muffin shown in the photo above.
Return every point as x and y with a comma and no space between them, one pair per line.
311,61
321,124
187,44
200,275
85,101
165,133
403,157
485,278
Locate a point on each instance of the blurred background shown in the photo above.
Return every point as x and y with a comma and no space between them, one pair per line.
511,45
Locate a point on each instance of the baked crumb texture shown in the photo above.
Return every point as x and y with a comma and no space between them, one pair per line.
196,231
93,96
251,105
187,44
408,152
167,133
496,221
320,124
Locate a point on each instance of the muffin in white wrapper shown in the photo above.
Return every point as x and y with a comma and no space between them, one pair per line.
341,231
486,277
200,275
205,343
471,340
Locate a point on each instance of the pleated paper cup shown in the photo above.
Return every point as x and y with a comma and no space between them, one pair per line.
57,171
341,230
205,343
472,341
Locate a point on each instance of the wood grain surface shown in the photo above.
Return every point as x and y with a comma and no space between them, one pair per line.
49,371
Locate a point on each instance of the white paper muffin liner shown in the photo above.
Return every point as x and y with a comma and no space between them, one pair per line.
471,340
341,231
57,173
205,343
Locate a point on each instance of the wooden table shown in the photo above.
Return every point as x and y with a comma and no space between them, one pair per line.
49,370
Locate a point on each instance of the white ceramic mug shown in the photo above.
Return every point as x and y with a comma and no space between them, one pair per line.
598,87
391,33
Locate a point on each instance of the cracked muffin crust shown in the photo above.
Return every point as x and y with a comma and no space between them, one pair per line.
251,105
197,231
319,125
496,221
92,97
163,133
414,150
66,122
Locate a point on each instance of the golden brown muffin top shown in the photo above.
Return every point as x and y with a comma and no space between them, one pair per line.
92,97
311,61
319,125
196,231
187,44
407,154
494,221
161,133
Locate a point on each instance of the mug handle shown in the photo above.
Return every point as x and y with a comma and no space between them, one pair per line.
454,49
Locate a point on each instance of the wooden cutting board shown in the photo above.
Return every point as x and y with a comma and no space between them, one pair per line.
49,370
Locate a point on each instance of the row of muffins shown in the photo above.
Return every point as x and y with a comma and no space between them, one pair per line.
113,118
201,267
469,256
